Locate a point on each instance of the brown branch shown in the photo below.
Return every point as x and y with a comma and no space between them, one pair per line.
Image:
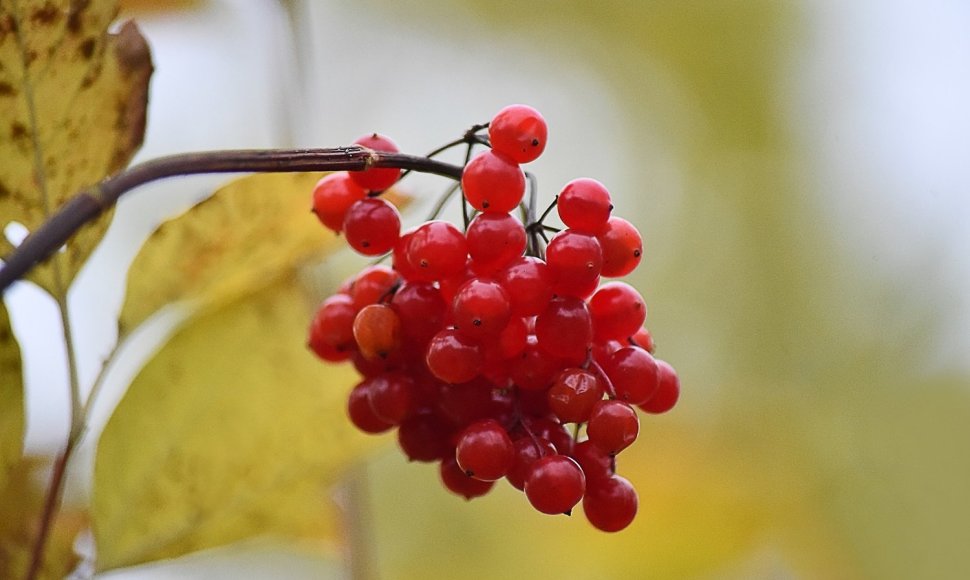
90,203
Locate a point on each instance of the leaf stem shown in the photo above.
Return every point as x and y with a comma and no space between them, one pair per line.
90,203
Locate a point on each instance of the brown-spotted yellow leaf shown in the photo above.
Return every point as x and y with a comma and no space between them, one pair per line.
248,234
232,430
11,398
21,503
72,104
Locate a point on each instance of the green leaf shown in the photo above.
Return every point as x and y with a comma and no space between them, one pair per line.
72,100
232,430
11,399
248,234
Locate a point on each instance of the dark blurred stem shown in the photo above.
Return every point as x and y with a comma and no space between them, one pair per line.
51,502
91,203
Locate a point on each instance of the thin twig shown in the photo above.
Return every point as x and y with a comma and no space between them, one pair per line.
89,204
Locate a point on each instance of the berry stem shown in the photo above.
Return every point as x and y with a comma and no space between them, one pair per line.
92,202
602,375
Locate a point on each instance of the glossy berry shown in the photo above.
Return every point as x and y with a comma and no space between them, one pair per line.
528,282
374,284
526,451
391,397
667,392
519,132
485,450
376,179
596,463
421,309
644,340
555,484
333,196
494,241
493,183
331,334
534,369
622,247
437,250
564,329
618,311
377,331
633,373
360,411
372,226
575,260
610,504
453,358
457,482
573,394
480,309
584,205
613,426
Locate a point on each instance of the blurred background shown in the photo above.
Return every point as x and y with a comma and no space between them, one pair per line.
800,171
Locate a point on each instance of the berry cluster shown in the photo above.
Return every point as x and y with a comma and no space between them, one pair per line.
493,350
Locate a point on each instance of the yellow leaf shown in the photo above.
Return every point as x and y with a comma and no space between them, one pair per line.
11,398
232,430
21,503
72,100
247,235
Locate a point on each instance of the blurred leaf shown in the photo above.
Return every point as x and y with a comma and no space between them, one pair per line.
11,398
247,235
232,430
72,100
21,503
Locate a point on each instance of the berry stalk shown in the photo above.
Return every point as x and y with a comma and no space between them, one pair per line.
88,204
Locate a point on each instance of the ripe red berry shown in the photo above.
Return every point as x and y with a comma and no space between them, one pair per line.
667,393
610,504
457,482
453,358
613,426
555,484
633,373
493,183
360,411
644,340
377,331
391,397
333,196
424,437
485,450
575,260
518,131
494,241
528,282
534,369
372,226
527,451
376,178
617,310
573,394
584,205
331,334
596,463
421,309
480,309
564,329
437,250
622,247
373,284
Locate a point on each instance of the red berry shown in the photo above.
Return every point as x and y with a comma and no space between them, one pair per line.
453,358
421,309
360,411
555,484
613,426
564,329
573,394
333,196
584,205
494,241
391,397
485,450
493,183
376,179
667,393
518,131
373,284
534,369
644,340
575,260
633,373
437,250
596,463
610,504
528,282
622,247
617,310
457,482
372,226
331,334
480,309
424,437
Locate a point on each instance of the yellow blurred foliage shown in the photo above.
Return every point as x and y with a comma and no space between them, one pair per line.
11,399
72,99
